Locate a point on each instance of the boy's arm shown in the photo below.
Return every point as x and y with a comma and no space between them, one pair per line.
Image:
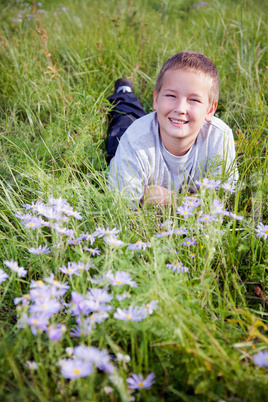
130,174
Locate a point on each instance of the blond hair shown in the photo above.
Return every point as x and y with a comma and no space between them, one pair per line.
192,61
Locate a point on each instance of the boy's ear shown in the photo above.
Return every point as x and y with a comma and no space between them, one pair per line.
211,111
155,101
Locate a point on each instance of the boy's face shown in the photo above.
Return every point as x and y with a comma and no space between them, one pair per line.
182,105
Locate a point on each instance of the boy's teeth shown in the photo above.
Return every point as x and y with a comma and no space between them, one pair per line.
177,121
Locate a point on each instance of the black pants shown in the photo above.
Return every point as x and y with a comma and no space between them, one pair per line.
126,109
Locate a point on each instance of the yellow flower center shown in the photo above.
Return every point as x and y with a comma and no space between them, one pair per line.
188,242
140,384
77,371
266,231
128,317
185,212
118,282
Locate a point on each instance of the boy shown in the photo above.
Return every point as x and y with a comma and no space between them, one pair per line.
181,141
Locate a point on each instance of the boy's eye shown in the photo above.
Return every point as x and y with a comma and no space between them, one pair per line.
170,96
195,100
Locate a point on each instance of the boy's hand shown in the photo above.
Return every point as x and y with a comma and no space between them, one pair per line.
158,195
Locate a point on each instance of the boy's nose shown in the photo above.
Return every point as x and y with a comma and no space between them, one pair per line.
180,107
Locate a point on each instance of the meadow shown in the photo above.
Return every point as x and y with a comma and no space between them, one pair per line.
99,301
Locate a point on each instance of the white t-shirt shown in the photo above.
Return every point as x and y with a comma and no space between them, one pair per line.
141,158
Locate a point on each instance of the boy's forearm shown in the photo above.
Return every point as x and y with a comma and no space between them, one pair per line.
158,195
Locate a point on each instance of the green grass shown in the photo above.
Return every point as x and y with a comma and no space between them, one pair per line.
57,70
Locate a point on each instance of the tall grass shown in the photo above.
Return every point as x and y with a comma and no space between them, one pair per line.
57,69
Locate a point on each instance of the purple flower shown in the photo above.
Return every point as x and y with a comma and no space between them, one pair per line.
13,265
46,306
68,210
74,241
185,211
31,365
49,212
192,202
137,382
76,303
83,267
113,241
163,234
3,276
205,218
234,216
122,296
55,284
71,270
177,266
200,4
32,223
33,206
39,250
119,278
217,207
99,295
37,322
262,230
97,318
75,368
138,245
88,237
83,329
100,232
96,357
228,187
24,300
180,231
150,307
93,251
37,284
55,333
188,242
166,223
63,231
261,358
131,314
211,184
59,203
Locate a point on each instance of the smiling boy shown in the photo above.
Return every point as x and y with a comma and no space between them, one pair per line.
181,141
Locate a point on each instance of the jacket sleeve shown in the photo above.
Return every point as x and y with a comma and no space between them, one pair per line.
127,171
222,155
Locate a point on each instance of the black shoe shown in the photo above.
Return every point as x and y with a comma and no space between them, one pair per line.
123,85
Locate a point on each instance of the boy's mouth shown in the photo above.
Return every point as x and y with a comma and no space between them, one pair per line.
177,121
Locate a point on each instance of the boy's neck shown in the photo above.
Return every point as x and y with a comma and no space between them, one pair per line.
178,147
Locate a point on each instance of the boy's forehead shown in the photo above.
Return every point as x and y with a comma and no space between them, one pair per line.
177,71
173,74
